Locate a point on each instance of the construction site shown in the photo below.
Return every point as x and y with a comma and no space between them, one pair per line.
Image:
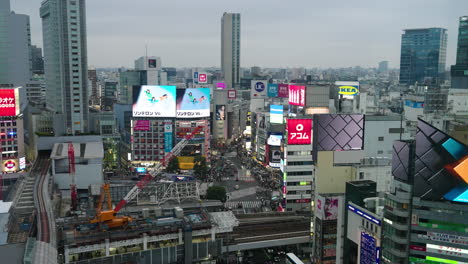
66,211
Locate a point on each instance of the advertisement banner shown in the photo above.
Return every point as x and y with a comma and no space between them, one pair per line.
221,85
258,89
348,89
448,238
274,140
272,90
193,102
368,249
202,78
319,207
154,101
195,77
232,94
10,165
447,251
283,90
275,158
220,112
331,208
22,163
297,95
9,102
299,131
141,125
276,114
167,137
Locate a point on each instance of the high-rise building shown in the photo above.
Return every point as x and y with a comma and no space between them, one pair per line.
230,48
65,59
93,82
423,54
383,66
459,71
15,44
37,60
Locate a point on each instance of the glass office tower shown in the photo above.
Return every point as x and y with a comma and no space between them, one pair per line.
423,54
459,72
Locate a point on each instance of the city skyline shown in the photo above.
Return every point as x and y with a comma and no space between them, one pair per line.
189,36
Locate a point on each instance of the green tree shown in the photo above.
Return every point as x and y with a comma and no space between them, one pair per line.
173,165
216,193
200,169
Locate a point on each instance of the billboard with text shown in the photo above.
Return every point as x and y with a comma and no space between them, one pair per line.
9,102
283,90
276,114
297,95
154,101
193,102
272,90
258,89
299,131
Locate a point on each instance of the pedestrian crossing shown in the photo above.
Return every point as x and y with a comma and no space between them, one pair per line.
245,204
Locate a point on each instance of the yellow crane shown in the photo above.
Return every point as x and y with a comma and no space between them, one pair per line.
109,217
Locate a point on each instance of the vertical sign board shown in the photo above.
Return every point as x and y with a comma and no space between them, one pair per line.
202,78
195,77
272,90
167,136
299,131
369,251
283,90
232,94
22,163
297,95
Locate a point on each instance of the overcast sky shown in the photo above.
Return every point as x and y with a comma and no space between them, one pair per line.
274,33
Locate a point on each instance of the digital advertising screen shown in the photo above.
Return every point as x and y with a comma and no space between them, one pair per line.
141,125
276,114
272,90
299,131
152,63
193,102
9,102
220,112
221,85
283,90
141,169
154,101
297,95
275,158
368,249
274,140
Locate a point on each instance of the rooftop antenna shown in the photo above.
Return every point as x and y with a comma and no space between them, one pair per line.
146,50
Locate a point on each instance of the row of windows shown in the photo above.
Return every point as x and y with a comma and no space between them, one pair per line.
299,163
296,192
299,173
149,158
299,153
7,124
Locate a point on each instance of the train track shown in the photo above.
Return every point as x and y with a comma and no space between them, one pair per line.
40,171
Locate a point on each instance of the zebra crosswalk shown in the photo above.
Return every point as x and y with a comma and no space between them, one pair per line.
244,204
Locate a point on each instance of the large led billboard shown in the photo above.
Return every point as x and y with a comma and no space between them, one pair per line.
299,131
276,114
440,165
9,102
154,101
338,132
297,95
274,140
193,102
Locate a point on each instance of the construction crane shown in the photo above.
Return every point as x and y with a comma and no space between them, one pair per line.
71,169
109,217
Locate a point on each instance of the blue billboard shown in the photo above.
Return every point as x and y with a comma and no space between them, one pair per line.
413,104
193,102
167,137
272,90
369,251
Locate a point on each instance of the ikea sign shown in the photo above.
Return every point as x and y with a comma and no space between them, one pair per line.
348,90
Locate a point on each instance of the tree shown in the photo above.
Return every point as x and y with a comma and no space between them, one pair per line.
216,193
173,165
200,168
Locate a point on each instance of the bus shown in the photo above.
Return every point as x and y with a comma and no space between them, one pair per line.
292,259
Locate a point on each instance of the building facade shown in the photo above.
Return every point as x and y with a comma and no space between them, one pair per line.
459,71
423,55
65,59
230,48
15,47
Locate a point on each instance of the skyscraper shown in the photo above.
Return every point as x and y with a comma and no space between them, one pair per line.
65,61
15,44
37,60
459,71
423,54
230,48
383,66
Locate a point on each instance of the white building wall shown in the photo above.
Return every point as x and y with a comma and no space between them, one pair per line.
378,140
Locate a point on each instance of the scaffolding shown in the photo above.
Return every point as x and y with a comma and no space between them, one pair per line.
162,192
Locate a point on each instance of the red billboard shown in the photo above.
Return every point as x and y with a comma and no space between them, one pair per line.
297,95
9,102
299,131
283,90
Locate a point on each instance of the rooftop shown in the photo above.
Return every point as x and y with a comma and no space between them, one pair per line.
91,150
